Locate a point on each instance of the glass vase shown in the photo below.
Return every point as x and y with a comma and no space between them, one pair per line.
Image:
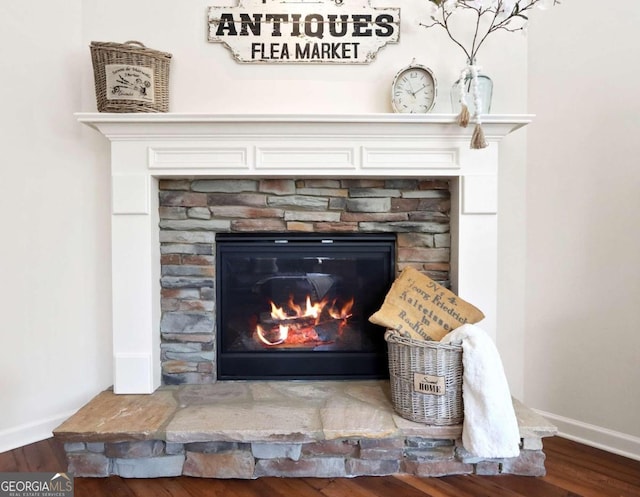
485,92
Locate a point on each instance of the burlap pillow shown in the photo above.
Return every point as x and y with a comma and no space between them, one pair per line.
418,307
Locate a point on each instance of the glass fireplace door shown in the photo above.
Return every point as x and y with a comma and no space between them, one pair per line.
297,306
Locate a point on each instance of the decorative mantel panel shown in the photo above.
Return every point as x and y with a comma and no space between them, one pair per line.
149,147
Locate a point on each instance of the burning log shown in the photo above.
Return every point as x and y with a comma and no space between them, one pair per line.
298,321
316,325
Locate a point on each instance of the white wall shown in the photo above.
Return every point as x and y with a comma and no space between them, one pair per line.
54,214
582,359
55,296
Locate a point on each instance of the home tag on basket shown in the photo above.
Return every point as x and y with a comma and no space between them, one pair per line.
424,383
127,82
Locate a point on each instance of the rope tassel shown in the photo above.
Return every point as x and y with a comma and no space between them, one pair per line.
464,117
478,140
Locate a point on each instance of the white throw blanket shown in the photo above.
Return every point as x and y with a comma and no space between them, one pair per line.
490,428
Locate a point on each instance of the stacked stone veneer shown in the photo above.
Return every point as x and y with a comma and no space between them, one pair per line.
192,211
326,459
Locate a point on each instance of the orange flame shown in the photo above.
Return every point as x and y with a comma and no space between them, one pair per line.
310,310
277,312
342,313
288,328
284,333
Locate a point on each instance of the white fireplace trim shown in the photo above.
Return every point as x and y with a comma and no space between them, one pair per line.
148,147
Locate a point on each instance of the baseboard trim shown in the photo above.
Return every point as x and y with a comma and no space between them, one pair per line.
29,433
595,436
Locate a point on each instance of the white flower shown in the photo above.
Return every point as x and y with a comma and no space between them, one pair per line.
508,5
505,8
431,9
449,5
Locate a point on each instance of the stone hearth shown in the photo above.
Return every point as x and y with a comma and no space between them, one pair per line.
248,430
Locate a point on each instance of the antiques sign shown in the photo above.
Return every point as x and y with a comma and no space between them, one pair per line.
304,31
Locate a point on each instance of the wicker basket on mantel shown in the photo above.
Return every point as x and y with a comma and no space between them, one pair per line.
426,380
130,77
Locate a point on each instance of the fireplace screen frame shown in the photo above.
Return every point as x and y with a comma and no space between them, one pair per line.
301,364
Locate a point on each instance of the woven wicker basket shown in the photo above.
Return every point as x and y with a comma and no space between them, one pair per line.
130,77
426,380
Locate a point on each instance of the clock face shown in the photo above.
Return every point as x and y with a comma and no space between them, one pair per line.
413,90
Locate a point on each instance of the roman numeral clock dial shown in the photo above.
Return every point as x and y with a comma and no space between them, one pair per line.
413,90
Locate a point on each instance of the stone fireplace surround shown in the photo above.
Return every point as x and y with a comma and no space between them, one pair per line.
194,211
287,429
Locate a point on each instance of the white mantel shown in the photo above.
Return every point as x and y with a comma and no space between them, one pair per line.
148,147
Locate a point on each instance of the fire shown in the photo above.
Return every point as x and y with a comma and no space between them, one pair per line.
309,323
277,312
344,312
283,334
296,311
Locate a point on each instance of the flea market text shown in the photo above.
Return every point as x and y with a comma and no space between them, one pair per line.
276,31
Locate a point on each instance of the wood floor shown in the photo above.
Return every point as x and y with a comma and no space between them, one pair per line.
573,470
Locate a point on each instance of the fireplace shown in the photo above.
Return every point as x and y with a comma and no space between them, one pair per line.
295,306
145,149
184,186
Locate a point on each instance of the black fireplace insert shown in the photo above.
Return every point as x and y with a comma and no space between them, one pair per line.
296,306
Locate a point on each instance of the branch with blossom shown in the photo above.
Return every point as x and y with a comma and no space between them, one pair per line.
489,16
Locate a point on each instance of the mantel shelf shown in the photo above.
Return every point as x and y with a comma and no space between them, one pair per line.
140,125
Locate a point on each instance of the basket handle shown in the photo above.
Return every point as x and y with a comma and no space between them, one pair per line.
134,42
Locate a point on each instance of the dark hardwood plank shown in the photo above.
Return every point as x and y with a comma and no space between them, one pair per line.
158,487
22,464
388,487
221,488
101,487
576,487
590,471
344,486
318,483
433,487
57,449
568,447
290,486
595,461
42,457
8,463
530,487
478,486
599,478
186,486
47,455
578,481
